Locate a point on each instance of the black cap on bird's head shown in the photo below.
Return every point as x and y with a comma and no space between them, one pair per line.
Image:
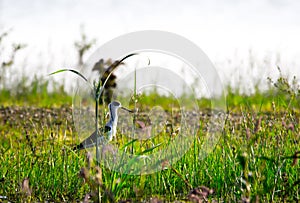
115,103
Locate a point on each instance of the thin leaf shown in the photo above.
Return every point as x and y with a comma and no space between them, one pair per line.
113,66
70,70
150,149
129,143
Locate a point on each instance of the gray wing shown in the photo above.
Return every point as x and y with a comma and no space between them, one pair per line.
92,139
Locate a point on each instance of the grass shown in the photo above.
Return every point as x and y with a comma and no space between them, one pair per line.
35,92
255,159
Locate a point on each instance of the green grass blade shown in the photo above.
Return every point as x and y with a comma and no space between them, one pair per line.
129,143
70,70
113,66
150,149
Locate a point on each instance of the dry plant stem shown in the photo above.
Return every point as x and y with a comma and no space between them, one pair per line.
97,145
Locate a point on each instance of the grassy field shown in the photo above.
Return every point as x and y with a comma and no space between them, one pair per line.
255,159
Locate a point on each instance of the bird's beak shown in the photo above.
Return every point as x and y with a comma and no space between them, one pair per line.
131,111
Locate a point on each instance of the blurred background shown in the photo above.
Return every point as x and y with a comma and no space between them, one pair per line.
246,40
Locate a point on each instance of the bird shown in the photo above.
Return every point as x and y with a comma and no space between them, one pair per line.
110,128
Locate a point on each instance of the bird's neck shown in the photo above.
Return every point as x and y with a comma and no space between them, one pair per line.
113,124
113,117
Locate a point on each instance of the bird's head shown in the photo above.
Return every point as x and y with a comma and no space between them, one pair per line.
115,105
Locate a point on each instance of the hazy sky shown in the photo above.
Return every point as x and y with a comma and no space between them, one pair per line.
225,30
